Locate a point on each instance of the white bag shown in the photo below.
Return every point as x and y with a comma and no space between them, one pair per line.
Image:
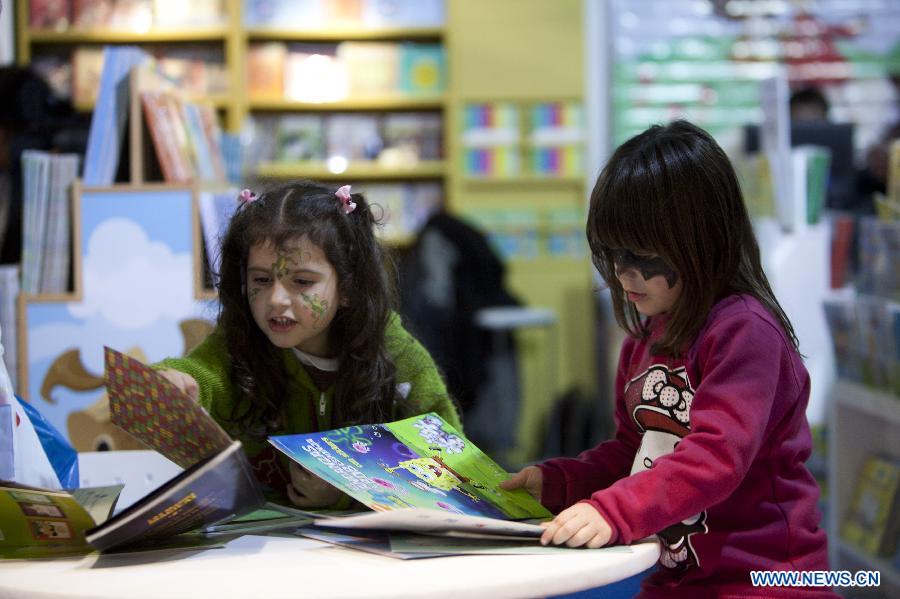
22,457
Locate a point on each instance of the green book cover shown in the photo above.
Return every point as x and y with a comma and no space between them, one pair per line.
41,523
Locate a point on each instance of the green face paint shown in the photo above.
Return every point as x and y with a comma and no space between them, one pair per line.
280,266
251,295
318,306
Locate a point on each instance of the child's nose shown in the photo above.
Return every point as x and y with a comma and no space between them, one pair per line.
626,274
280,295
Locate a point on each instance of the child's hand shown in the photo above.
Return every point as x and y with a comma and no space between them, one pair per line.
308,491
183,382
578,525
529,477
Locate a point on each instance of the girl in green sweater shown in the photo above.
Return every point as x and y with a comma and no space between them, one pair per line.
306,339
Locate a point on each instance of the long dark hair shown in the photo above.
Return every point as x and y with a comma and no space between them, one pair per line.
671,191
365,387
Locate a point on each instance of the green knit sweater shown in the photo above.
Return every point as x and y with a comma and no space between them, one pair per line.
307,408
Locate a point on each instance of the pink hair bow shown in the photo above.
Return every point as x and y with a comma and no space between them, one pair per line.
343,194
246,196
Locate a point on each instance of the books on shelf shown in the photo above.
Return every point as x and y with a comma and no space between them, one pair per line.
9,293
163,112
314,73
104,145
48,14
92,14
300,137
216,209
330,72
307,15
180,14
872,522
372,67
265,70
47,181
353,137
404,208
393,139
422,69
403,13
87,68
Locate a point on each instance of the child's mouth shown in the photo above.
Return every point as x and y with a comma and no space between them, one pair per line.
635,297
281,324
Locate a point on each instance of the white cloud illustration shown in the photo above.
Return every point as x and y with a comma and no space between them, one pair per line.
132,281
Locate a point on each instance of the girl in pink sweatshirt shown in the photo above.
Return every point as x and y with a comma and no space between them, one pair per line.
711,391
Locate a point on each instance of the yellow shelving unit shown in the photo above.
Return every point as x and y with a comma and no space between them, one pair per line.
356,171
524,51
228,35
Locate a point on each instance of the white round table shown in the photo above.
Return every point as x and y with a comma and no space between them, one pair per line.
281,566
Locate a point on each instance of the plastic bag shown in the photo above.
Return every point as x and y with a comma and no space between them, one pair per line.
32,451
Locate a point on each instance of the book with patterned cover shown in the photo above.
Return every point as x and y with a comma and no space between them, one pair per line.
147,406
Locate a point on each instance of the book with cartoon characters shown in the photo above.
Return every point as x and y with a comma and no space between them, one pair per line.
419,462
37,523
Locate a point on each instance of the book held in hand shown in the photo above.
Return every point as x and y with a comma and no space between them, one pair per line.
218,483
215,490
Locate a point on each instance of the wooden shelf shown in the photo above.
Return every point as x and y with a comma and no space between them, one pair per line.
356,104
524,180
355,171
350,34
110,36
221,102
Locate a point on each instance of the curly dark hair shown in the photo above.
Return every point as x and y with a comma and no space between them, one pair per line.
366,387
671,191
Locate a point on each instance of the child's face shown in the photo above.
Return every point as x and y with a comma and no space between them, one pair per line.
293,295
649,282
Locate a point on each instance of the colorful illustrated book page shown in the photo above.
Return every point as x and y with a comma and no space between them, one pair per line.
150,408
420,462
41,523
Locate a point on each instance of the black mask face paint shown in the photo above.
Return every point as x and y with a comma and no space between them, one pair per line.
648,266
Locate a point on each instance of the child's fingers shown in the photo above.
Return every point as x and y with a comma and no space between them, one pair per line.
517,480
550,529
566,524
300,477
183,382
297,498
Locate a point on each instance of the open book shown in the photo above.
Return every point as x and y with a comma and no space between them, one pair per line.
38,522
217,484
418,474
215,490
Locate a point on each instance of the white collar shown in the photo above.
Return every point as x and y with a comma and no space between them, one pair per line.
324,364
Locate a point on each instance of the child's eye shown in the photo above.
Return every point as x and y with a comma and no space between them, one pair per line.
261,280
302,282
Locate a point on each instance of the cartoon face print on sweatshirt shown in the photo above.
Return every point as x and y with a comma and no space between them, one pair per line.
659,400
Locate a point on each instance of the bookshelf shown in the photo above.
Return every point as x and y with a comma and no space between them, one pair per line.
221,38
484,59
233,33
862,421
